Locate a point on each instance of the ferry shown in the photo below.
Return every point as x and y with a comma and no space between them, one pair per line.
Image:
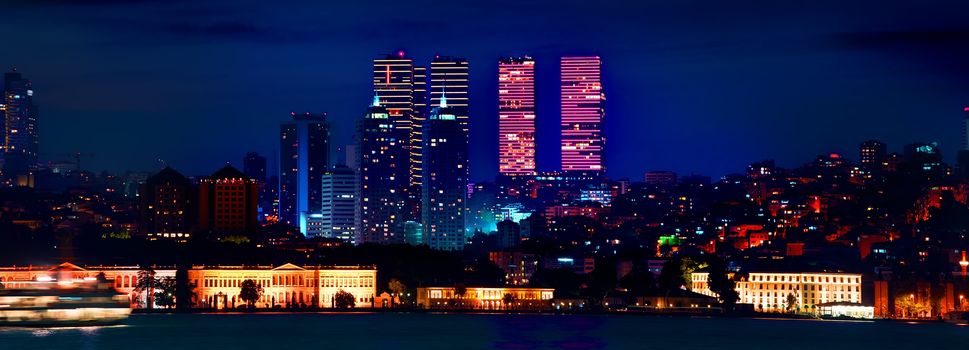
50,303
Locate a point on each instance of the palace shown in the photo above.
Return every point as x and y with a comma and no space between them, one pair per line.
477,298
768,291
218,287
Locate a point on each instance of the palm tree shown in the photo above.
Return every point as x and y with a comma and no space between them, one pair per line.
250,292
146,283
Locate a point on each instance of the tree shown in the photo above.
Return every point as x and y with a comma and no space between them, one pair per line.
638,282
721,284
250,292
397,288
146,283
791,302
165,293
344,300
185,297
508,299
459,291
677,273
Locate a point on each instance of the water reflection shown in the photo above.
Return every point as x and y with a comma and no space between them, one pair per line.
541,332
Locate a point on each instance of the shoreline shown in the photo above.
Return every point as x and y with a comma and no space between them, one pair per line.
761,316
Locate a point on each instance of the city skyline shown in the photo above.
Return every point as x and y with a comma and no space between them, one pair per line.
682,104
537,174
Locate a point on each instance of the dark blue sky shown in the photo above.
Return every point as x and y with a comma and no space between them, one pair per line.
692,86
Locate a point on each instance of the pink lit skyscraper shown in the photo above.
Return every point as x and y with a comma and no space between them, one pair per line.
516,116
582,114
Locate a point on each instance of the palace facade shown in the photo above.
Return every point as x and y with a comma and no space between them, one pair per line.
218,287
769,291
478,298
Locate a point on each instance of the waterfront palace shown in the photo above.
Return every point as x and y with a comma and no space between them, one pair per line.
768,291
218,287
479,298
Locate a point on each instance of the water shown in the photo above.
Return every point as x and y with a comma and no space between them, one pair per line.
482,331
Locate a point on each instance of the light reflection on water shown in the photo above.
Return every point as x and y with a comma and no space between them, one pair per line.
478,331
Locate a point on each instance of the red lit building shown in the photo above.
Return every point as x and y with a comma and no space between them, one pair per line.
227,202
582,110
516,116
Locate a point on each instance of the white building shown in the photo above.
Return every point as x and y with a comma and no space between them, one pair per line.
769,291
339,203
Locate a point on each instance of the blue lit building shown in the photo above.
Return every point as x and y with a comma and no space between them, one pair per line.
304,155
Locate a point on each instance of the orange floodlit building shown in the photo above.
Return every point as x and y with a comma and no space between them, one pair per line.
768,291
218,287
479,298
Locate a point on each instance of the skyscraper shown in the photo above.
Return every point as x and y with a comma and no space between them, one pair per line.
393,82
339,203
962,157
382,180
582,110
402,89
516,116
965,129
304,154
445,179
20,124
449,76
227,202
254,166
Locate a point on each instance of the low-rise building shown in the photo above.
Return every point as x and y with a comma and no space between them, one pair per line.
482,298
218,287
846,310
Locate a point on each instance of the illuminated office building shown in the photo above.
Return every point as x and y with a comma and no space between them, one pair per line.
20,141
516,116
449,77
382,180
167,204
304,154
872,154
582,108
339,203
228,202
445,179
402,89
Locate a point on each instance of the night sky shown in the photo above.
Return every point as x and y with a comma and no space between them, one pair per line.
692,86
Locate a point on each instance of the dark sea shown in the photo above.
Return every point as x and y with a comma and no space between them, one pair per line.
483,331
